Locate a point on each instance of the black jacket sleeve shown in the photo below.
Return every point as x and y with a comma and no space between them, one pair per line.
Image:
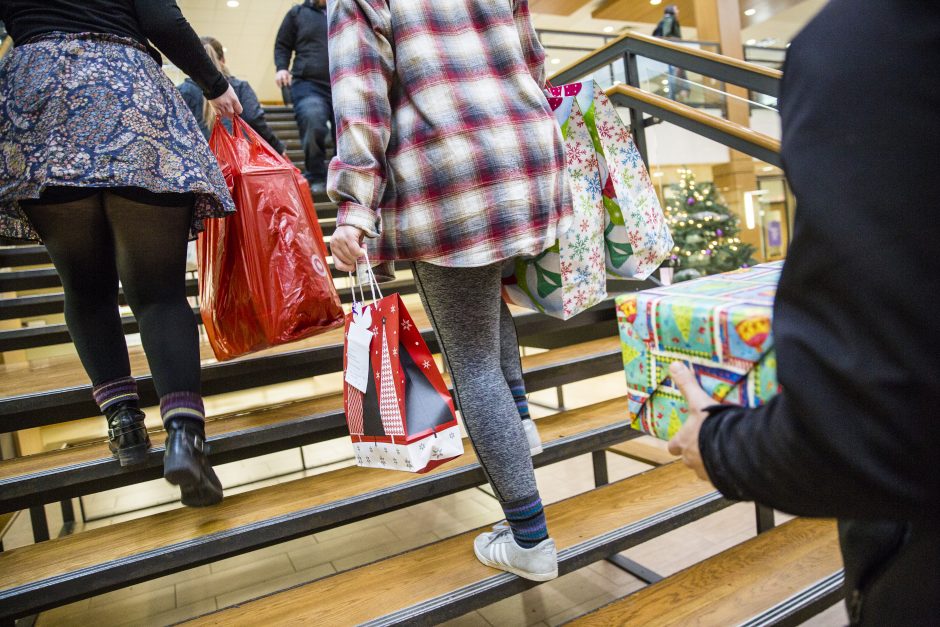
253,114
196,102
163,23
285,41
856,432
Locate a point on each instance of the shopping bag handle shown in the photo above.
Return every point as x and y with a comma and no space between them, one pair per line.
373,283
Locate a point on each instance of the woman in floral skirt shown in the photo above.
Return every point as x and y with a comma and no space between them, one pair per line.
101,160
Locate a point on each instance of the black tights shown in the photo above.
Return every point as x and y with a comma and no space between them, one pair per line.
98,239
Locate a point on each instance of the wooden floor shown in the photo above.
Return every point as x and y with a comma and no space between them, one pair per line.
735,585
359,595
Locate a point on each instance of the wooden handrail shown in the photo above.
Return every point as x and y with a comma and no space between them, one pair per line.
705,54
678,47
724,126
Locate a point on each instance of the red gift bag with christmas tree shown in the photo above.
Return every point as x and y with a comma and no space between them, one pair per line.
399,411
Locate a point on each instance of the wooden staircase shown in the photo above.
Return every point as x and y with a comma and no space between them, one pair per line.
425,585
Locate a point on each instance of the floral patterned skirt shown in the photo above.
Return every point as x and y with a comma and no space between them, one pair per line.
96,111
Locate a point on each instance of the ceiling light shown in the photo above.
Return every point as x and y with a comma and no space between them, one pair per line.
750,12
232,4
556,61
655,2
751,42
608,29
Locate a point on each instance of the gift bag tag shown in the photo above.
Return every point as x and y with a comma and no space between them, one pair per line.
358,344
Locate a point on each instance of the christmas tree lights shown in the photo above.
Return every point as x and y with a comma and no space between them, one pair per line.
704,229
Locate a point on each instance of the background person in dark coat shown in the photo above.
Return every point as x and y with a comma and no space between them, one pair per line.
252,113
669,25
855,433
303,36
669,28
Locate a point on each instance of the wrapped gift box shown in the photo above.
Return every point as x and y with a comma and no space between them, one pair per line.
719,325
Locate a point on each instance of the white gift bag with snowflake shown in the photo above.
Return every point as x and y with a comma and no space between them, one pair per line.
569,277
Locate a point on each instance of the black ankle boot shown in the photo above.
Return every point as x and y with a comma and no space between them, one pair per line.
127,434
185,463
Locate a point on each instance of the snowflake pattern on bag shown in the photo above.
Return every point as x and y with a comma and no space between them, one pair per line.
569,277
637,236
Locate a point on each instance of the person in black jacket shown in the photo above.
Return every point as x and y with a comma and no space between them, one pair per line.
669,25
303,35
252,113
855,433
669,28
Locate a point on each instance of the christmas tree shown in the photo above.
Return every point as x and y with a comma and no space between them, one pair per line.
704,229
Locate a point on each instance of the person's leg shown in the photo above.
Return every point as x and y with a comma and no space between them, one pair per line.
79,242
312,109
466,321
150,243
512,371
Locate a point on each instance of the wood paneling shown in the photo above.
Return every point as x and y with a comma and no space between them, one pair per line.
365,593
735,585
642,11
556,7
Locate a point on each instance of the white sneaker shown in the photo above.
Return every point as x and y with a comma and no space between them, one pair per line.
498,549
532,434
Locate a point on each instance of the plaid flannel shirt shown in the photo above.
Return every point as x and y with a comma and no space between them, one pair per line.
447,150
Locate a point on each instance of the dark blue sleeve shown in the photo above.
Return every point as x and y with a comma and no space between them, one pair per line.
194,99
253,114
285,41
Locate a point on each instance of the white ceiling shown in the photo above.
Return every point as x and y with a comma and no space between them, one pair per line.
248,33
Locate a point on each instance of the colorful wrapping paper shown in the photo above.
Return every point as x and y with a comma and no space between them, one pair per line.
720,325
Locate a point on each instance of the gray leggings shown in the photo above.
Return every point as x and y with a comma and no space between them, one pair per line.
477,336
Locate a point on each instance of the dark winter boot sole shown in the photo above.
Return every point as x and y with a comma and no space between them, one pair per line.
198,488
132,455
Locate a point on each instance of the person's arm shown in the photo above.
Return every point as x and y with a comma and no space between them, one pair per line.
253,114
532,49
163,24
285,41
841,460
194,99
362,63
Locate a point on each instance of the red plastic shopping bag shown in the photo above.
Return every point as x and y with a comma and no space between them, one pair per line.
398,408
263,278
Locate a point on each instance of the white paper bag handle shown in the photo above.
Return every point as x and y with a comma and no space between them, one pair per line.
373,283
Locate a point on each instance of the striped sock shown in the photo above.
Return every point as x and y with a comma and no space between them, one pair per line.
522,403
184,405
526,519
123,390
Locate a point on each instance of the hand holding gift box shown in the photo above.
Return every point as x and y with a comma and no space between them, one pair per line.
720,326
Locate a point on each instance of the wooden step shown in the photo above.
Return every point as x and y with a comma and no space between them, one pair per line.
61,570
645,449
56,389
56,475
442,580
6,521
36,255
783,576
52,334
